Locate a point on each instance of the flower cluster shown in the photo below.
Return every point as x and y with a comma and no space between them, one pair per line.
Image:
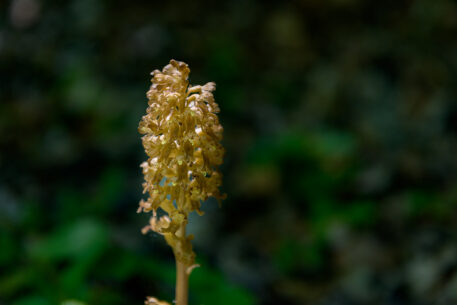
181,136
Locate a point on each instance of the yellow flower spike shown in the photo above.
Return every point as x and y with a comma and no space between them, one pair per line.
181,137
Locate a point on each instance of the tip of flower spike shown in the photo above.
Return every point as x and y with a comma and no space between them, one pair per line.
178,64
177,67
174,63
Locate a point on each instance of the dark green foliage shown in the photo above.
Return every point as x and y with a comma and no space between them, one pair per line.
341,135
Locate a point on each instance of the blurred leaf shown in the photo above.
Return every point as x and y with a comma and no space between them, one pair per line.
268,150
359,213
127,264
210,287
72,302
32,300
331,145
69,203
83,238
19,279
8,247
108,190
286,255
224,58
420,202
292,255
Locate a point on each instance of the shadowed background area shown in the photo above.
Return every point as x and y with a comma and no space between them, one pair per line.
340,121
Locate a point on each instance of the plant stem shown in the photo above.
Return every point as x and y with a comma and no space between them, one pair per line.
182,284
182,279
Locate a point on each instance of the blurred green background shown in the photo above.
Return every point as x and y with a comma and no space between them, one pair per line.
340,122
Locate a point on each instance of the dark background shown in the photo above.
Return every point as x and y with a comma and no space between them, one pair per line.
340,122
